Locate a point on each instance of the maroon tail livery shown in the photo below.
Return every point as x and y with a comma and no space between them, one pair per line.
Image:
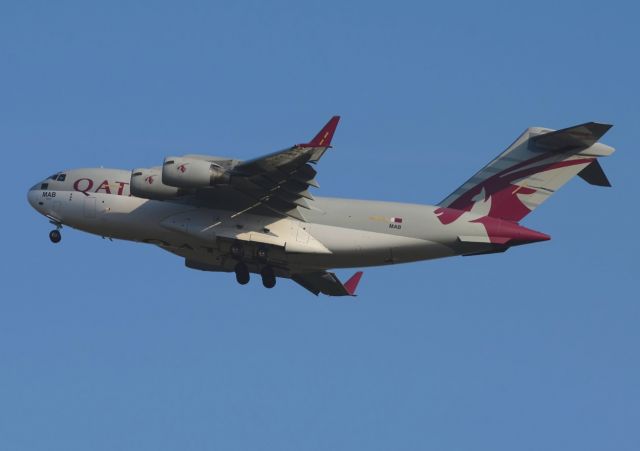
534,167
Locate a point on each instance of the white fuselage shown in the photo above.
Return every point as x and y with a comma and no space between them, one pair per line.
338,232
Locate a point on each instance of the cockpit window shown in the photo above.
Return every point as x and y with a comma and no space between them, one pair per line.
44,186
61,177
53,177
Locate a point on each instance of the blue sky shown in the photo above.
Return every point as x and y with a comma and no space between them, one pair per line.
117,346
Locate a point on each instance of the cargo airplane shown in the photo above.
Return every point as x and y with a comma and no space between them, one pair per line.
258,216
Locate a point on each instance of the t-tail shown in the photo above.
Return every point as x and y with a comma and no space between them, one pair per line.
534,167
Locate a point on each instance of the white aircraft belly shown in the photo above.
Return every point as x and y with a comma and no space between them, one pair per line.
353,247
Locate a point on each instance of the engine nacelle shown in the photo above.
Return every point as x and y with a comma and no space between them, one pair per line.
147,183
185,172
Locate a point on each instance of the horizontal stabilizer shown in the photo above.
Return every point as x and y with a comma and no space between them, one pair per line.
577,137
594,175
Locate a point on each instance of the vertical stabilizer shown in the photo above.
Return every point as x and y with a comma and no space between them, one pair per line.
533,168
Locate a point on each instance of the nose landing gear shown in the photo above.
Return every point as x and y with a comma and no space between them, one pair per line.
55,236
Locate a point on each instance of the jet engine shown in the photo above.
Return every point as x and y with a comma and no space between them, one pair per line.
185,172
147,183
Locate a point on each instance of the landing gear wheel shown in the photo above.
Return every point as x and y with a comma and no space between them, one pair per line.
262,254
268,277
55,236
242,273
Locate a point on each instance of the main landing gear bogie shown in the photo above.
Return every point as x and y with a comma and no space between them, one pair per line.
262,254
242,271
268,277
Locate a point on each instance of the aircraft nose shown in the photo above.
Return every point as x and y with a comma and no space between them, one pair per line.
33,196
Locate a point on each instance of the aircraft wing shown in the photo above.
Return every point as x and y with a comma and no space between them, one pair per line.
280,181
328,283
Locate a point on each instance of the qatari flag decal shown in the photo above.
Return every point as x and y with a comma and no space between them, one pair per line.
396,220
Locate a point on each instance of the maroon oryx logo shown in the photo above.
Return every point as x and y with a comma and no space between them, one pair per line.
183,167
149,179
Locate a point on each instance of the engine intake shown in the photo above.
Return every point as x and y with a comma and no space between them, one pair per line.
147,183
187,172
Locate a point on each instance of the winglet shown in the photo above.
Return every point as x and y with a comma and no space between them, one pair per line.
323,138
351,284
